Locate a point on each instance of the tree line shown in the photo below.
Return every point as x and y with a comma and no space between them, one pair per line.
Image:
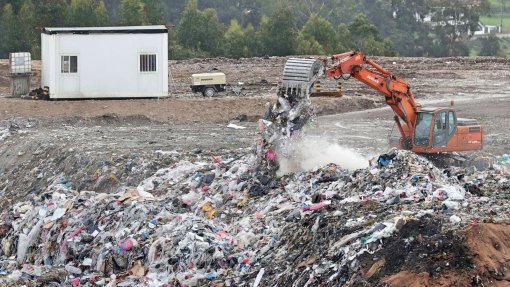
246,28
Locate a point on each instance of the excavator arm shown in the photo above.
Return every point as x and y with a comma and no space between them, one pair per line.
396,91
429,131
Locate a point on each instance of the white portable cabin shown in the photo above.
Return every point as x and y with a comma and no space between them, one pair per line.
105,62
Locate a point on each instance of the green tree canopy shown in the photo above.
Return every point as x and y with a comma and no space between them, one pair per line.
236,45
308,46
265,27
153,10
490,46
212,40
361,29
80,13
455,21
321,30
131,13
277,34
365,37
50,13
200,30
30,33
101,14
344,38
10,27
190,29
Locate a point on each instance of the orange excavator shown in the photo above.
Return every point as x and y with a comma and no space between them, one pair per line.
422,130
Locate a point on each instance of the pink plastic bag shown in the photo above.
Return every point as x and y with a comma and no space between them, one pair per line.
75,282
320,205
126,245
271,155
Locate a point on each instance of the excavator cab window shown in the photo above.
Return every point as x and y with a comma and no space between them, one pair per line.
441,130
422,130
452,122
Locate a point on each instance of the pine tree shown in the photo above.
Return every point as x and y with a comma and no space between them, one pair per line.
50,13
30,34
190,30
101,14
308,46
319,29
235,41
200,30
213,33
131,13
10,27
80,13
277,33
154,11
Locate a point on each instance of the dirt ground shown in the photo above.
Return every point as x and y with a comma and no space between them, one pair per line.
478,86
485,255
442,79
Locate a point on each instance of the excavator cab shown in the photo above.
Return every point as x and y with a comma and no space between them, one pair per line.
439,130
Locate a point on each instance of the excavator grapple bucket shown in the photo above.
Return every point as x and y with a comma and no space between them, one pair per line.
301,74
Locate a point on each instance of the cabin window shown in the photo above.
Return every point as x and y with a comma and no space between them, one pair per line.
148,63
422,130
451,123
440,130
69,64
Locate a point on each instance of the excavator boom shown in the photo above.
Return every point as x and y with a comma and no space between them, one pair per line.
396,91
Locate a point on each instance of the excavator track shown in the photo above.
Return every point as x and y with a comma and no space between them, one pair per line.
479,160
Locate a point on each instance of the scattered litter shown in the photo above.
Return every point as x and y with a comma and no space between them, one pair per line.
234,126
225,221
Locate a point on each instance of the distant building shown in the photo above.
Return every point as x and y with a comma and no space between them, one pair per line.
486,29
105,62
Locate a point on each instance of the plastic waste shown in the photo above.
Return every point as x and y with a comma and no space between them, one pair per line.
454,219
246,222
25,241
73,269
259,277
237,127
75,282
320,205
59,212
126,245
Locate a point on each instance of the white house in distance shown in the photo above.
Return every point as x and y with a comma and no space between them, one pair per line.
105,62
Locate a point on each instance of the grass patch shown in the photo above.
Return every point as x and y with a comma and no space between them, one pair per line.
495,3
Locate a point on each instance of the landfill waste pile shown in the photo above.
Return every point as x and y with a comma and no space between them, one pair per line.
227,219
225,222
4,133
15,125
83,216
